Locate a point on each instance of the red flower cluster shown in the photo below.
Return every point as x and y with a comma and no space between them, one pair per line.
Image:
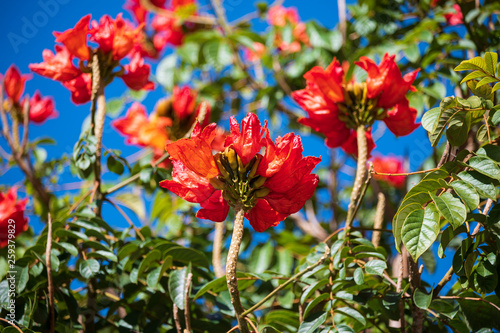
280,17
256,54
12,217
172,118
336,107
116,39
40,108
454,17
388,164
166,27
269,186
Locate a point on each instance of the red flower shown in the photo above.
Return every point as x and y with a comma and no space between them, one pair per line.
14,82
401,119
57,67
386,164
455,18
117,36
336,107
269,187
11,216
41,108
80,88
167,30
184,101
351,145
279,16
143,131
385,81
136,75
75,39
256,54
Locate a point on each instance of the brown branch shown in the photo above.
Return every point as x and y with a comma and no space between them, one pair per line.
472,299
379,219
177,320
125,216
187,316
232,261
11,324
360,175
217,249
48,261
26,120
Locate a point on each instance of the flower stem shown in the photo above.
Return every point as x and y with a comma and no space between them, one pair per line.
232,260
360,175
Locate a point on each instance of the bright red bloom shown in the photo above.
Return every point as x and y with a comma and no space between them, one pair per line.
279,16
11,214
256,54
270,187
335,106
14,82
141,130
57,67
168,31
41,108
136,75
385,81
350,146
117,36
184,101
75,39
80,88
387,164
456,17
401,119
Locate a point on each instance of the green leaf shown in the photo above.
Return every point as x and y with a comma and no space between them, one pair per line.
452,209
70,248
485,80
472,64
359,276
485,277
421,298
189,52
375,267
188,255
104,255
430,118
353,314
115,165
473,75
177,286
459,126
218,53
165,71
151,257
491,59
88,268
420,230
485,166
309,291
467,193
311,323
482,184
490,151
312,305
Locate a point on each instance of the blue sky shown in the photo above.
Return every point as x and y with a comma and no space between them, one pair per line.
28,28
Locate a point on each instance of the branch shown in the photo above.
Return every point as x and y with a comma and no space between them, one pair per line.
217,249
290,280
177,319
232,260
48,261
379,219
187,317
137,231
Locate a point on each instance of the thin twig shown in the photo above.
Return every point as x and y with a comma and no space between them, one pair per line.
187,315
472,299
48,261
290,280
379,219
403,174
26,120
137,231
11,324
177,320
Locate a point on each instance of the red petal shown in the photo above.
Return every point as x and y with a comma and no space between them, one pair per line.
293,200
401,119
187,184
262,216
214,208
75,39
247,142
329,81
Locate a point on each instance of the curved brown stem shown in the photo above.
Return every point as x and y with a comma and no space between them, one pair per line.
360,176
232,260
